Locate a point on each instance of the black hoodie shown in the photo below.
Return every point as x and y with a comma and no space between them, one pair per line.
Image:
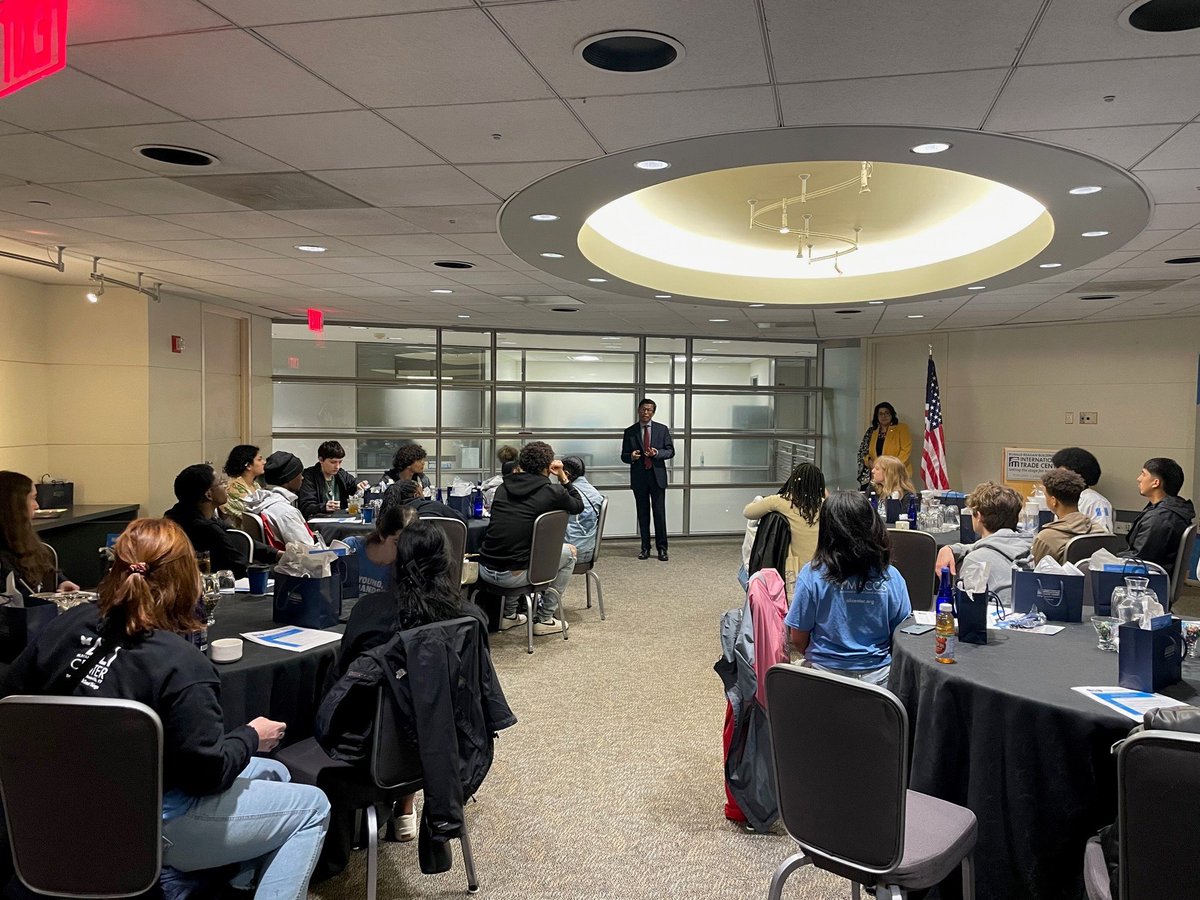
1155,533
519,500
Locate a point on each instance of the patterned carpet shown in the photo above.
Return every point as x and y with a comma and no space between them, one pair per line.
610,785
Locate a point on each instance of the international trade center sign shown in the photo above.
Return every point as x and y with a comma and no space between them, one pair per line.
34,43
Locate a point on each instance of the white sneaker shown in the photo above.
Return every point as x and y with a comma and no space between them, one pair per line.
406,827
507,622
554,626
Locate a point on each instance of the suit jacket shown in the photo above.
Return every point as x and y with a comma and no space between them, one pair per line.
660,440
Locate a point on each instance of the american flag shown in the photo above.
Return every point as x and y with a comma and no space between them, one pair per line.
933,455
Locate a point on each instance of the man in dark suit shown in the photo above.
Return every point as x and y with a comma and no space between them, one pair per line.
646,448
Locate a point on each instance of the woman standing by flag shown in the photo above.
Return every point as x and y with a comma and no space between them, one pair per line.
887,436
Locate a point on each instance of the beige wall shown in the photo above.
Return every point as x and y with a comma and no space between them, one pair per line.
93,394
1013,387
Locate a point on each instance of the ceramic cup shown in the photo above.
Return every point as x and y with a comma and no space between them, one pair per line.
226,650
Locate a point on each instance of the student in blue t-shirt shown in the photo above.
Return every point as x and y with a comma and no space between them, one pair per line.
377,551
849,600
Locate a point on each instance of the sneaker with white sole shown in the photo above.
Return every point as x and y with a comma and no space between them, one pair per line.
554,626
406,827
507,622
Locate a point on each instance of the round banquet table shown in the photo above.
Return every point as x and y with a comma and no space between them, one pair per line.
1002,733
339,531
268,681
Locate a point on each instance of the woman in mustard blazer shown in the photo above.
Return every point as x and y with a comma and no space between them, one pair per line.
887,436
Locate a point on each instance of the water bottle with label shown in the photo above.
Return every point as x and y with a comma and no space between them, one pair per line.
944,638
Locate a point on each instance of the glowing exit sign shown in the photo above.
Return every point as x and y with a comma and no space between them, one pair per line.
35,41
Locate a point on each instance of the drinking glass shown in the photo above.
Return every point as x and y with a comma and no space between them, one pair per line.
1191,634
211,596
225,581
1106,629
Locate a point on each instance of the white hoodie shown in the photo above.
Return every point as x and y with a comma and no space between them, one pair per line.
277,505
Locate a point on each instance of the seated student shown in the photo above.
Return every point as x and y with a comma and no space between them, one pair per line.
1092,503
1156,532
1063,488
377,550
995,510
277,503
507,455
327,487
504,556
890,481
582,531
849,599
200,492
26,565
408,464
220,803
409,494
244,467
799,500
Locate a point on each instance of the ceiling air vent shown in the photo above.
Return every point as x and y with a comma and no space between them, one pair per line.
1126,287
273,191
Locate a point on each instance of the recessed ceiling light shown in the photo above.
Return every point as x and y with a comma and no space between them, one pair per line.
586,357
932,147
453,264
311,248
440,291
629,51
718,320
651,165
1182,260
553,255
176,156
718,342
1085,189
463,316
1165,16
1049,265
598,280
1094,234
1099,297
757,305
977,287
610,338
874,303
544,217
662,296
916,316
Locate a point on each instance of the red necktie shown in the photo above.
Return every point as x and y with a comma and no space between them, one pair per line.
647,462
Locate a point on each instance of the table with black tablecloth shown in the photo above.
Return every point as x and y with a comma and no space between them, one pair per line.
1001,732
339,531
267,681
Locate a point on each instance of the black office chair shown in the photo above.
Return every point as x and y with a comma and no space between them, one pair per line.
455,531
1082,546
587,568
102,760
840,750
914,554
1183,559
252,525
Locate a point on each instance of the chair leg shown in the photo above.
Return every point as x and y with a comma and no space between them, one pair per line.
529,619
968,877
599,593
587,580
468,861
855,894
888,892
372,851
789,865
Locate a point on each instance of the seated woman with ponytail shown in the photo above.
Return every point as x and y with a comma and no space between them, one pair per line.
221,804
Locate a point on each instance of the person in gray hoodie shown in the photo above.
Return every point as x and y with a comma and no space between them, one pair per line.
994,513
1155,533
277,503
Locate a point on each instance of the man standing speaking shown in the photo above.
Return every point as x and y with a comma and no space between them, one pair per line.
646,448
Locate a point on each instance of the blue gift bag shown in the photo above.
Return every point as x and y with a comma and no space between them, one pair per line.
1058,597
309,602
1150,659
1104,581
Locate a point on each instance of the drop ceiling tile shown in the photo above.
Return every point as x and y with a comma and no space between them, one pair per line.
513,262
100,20
6,128
23,199
119,143
178,72
409,186
1180,152
452,219
200,268
634,120
280,266
150,196
1088,29
71,99
480,264
1176,215
415,280
409,245
1112,260
348,222
457,56
953,99
249,13
287,247
329,280
497,132
258,282
36,157
336,140
505,179
212,248
1188,240
1072,95
138,228
1123,145
235,225
488,244
1159,256
366,265
1148,239
723,44
1166,185
128,251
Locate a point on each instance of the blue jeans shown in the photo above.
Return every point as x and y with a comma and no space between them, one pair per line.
877,677
261,819
551,597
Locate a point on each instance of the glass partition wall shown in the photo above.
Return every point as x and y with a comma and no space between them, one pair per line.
741,413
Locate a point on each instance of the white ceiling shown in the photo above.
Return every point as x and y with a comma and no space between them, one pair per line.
430,113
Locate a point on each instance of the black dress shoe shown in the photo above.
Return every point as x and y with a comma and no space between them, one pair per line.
662,555
645,554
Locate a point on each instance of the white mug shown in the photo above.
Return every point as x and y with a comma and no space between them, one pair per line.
226,650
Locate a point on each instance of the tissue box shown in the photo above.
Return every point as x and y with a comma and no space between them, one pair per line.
1058,597
1150,659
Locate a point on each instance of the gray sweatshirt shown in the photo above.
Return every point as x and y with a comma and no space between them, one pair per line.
999,550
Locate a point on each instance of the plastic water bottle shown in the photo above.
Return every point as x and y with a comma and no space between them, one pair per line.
439,495
912,513
477,505
944,639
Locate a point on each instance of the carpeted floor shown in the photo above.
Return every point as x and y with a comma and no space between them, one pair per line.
610,785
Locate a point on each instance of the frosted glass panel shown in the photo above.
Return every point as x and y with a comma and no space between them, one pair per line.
466,410
508,410
740,461
307,407
306,449
720,510
375,454
581,411
308,357
741,412
471,459
398,407
738,370
601,457
589,367
661,368
622,514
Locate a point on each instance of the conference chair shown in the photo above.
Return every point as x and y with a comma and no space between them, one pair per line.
914,554
843,789
587,568
252,525
101,759
1158,820
1081,547
1183,559
455,531
53,555
249,544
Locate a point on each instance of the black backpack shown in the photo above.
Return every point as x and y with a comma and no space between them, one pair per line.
772,542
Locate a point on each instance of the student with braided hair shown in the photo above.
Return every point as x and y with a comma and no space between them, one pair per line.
799,500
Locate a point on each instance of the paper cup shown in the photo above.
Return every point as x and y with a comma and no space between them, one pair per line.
368,515
226,650
257,576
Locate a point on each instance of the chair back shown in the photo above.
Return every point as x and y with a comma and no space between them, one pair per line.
252,525
1158,819
53,554
600,530
455,531
93,763
914,554
1183,559
840,750
549,530
249,541
1082,546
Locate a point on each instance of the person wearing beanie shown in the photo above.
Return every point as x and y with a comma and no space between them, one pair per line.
200,491
276,504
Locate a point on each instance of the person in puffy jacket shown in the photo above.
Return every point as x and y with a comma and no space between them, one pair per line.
1155,533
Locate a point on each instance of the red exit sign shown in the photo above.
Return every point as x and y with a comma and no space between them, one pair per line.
35,41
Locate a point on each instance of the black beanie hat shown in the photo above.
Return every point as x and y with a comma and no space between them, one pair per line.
282,467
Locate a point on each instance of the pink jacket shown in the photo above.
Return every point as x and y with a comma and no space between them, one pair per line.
768,607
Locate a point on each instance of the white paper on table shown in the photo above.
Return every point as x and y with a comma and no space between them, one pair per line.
331,520
1131,704
292,637
242,585
924,616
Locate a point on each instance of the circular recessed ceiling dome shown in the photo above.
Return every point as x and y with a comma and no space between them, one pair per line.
629,51
711,226
176,156
1164,15
453,264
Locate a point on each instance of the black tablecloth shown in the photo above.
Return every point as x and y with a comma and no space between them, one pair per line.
339,531
1002,733
266,681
